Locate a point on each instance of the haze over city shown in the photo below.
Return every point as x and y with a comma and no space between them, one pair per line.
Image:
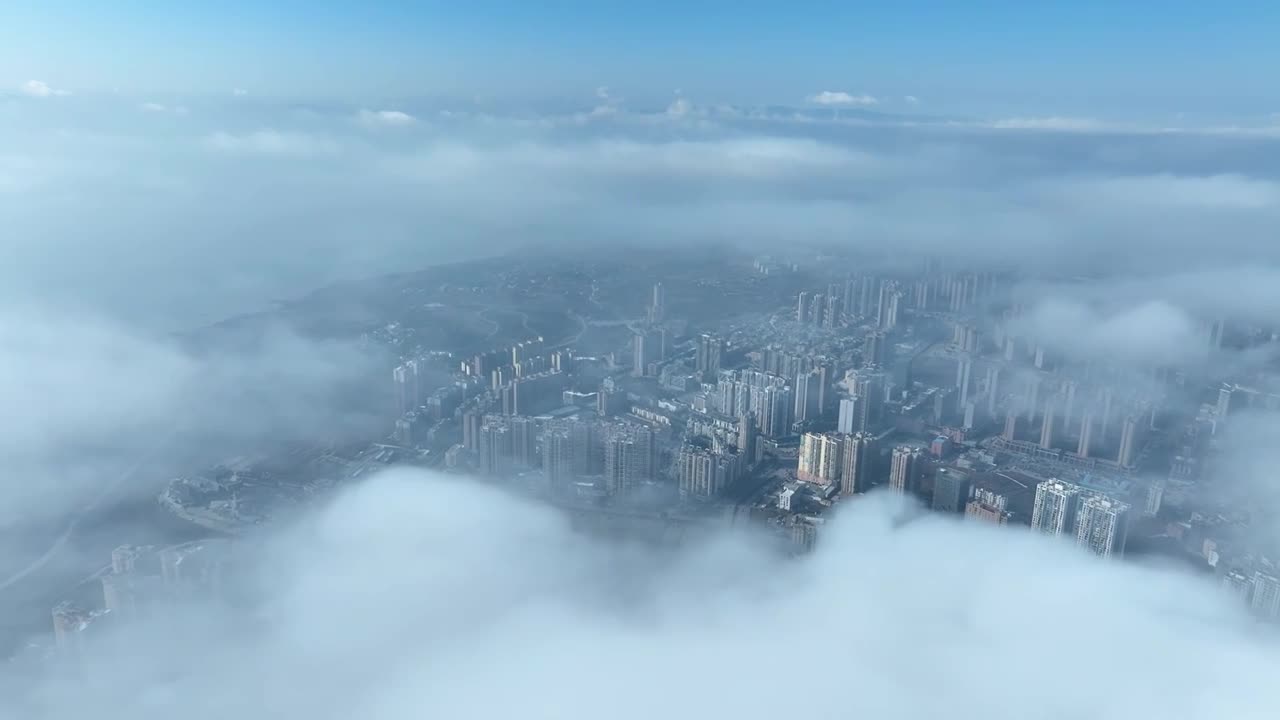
573,360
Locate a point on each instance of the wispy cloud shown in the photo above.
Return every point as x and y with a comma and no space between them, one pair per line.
1062,124
41,89
838,98
271,142
155,107
385,118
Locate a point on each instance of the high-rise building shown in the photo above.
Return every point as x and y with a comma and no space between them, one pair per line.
495,447
628,458
846,419
1033,398
826,377
1102,525
524,442
856,464
802,308
526,350
964,372
1104,425
808,395
1128,442
710,348
1225,394
1155,497
903,469
993,389
869,387
747,430
988,506
588,447
850,299
775,417
1086,436
704,473
820,458
611,402
1047,426
648,347
1054,511
658,304
1010,426
831,314
1216,329
887,315
471,421
1266,595
405,380
950,490
558,456
1069,406
874,348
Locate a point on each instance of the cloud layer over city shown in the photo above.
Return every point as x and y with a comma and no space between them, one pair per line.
240,201
418,595
412,595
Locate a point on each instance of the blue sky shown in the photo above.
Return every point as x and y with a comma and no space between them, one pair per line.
994,57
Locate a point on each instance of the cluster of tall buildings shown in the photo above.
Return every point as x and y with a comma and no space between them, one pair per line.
705,472
846,461
1060,416
768,398
883,299
863,409
613,457
1096,521
709,356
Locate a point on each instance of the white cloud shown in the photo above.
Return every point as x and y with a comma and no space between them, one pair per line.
385,118
911,99
1048,123
414,595
41,89
838,99
239,92
1151,331
1177,193
272,142
680,107
155,107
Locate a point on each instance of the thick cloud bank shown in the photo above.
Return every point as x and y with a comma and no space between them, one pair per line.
241,201
416,596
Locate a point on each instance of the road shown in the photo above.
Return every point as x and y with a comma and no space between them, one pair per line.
109,488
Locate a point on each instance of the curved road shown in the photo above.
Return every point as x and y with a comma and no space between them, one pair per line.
107,490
